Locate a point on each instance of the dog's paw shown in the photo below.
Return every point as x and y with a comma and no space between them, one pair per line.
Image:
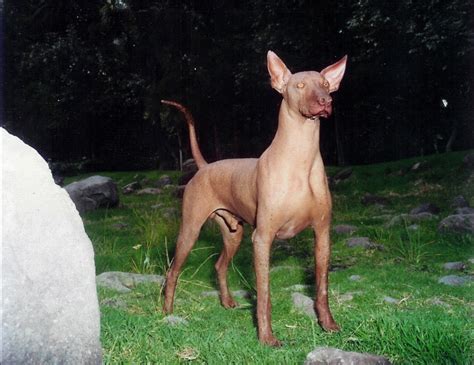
330,326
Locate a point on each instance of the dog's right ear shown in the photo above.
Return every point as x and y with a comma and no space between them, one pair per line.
279,73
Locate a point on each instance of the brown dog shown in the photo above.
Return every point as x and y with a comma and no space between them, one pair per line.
280,194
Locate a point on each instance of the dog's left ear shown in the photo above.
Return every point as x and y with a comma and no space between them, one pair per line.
334,73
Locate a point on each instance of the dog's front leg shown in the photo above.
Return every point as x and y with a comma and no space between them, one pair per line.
262,242
322,252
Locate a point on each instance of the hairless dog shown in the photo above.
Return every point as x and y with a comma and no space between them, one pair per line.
279,194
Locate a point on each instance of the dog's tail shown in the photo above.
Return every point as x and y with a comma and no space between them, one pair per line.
195,150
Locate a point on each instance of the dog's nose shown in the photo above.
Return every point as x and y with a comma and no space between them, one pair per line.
324,100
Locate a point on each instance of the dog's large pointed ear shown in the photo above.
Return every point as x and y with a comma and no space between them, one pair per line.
279,73
334,73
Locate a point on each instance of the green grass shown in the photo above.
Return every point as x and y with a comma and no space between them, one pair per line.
416,330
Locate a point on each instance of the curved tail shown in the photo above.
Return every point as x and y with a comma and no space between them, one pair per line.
196,152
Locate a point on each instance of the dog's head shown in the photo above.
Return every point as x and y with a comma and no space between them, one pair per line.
307,93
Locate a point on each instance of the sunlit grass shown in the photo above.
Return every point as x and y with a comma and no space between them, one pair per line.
429,323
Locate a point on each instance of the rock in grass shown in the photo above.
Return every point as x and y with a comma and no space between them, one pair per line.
354,277
298,287
363,242
93,193
464,210
346,297
303,304
333,356
235,293
439,302
175,320
124,282
457,265
163,181
425,208
117,303
410,219
454,280
458,223
471,261
468,161
371,199
390,300
459,202
132,187
149,191
119,226
344,229
50,312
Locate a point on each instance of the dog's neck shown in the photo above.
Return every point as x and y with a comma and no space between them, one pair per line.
297,137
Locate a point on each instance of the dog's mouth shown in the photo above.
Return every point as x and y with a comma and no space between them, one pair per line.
323,113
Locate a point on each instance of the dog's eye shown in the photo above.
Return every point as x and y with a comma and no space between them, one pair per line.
300,85
326,84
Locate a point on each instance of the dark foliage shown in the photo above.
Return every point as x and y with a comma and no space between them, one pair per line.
83,79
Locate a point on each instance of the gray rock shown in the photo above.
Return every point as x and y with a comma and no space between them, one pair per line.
459,202
418,166
341,175
471,261
124,282
298,287
410,219
163,181
344,229
210,293
50,311
157,206
458,223
241,294
132,187
413,227
119,225
175,320
437,301
149,191
425,208
383,217
93,192
117,303
370,199
454,280
235,293
363,242
468,161
333,356
464,210
189,166
355,277
346,297
390,300
457,265
303,304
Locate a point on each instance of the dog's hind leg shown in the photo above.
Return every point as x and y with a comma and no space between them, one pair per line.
194,216
232,237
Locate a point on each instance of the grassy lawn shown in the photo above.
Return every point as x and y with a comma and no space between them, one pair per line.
430,323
